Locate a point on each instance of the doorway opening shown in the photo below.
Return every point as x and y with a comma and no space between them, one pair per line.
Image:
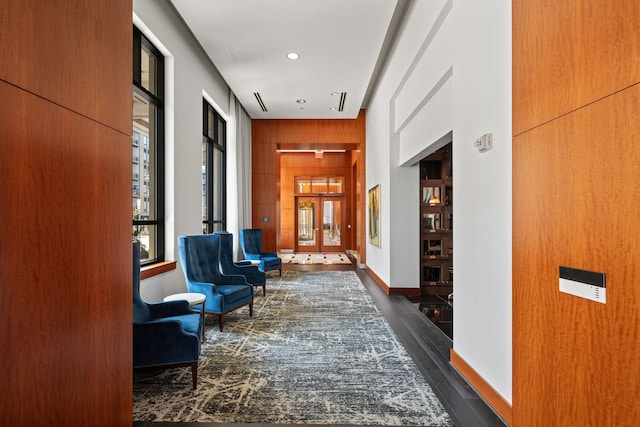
436,239
320,212
319,224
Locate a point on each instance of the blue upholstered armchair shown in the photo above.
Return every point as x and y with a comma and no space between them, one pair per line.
200,259
251,272
251,243
165,334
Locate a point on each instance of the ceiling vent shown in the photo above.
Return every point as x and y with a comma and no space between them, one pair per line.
259,99
343,96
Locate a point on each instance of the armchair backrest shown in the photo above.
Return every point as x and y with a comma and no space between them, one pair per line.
226,248
200,258
251,242
140,308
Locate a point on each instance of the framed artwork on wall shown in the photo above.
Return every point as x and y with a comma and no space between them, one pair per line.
374,215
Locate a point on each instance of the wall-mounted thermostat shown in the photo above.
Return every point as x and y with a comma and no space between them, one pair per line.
484,143
584,284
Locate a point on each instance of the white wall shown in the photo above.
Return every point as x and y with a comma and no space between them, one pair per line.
409,111
451,71
189,74
482,189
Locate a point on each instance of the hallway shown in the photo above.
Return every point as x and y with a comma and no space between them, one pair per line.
425,343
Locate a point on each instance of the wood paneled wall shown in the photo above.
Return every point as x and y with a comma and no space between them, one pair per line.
265,180
567,54
305,164
65,194
267,136
576,114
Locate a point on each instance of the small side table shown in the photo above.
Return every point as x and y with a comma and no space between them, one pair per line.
193,299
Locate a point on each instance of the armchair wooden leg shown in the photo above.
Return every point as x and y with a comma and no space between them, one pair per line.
221,321
280,270
194,374
251,309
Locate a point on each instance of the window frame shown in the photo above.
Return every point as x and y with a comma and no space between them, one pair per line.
157,99
213,144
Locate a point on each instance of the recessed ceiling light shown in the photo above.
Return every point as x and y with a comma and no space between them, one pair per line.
293,55
333,108
301,101
335,93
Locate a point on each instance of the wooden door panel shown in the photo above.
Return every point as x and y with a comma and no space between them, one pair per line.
570,53
65,257
575,204
71,52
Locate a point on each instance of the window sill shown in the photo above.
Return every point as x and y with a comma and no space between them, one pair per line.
158,268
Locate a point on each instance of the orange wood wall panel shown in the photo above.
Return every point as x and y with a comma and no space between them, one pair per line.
305,164
576,110
297,131
570,53
339,131
71,53
575,203
264,131
269,192
358,162
65,257
265,181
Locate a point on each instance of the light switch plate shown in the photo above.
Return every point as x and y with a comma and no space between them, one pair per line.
583,284
582,290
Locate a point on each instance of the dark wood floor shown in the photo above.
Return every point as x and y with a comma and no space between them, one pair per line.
427,345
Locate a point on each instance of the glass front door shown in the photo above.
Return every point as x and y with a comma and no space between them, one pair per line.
319,224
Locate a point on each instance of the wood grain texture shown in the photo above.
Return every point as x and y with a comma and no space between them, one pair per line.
340,131
65,257
69,52
297,131
575,203
305,164
570,53
265,180
270,135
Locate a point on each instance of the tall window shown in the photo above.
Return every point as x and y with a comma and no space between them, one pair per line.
214,163
148,149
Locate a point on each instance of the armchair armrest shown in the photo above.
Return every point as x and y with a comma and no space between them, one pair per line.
169,308
232,279
208,289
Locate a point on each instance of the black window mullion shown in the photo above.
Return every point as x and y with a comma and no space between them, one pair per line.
215,142
156,224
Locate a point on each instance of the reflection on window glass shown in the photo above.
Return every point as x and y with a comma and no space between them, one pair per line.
143,187
147,162
319,185
303,184
335,184
213,171
149,71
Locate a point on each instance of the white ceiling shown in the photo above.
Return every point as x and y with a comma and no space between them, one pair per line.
340,43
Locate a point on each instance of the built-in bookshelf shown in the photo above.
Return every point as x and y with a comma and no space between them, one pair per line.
436,223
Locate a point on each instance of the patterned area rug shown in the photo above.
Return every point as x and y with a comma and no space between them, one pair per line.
315,258
316,351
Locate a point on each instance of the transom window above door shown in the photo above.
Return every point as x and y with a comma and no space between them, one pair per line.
319,184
